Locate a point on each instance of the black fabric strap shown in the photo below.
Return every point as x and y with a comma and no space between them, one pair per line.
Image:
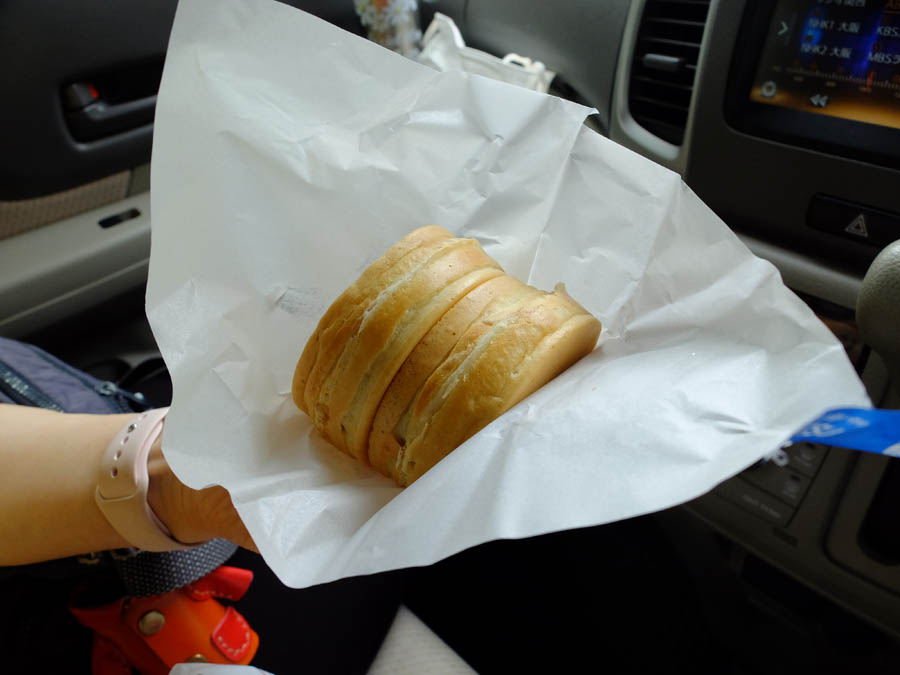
144,573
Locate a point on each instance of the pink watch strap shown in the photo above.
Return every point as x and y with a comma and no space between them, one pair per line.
123,481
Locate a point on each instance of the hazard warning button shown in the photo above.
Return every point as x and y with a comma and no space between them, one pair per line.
854,221
858,226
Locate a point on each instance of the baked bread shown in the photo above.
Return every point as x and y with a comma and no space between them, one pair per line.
342,319
506,354
428,346
365,341
384,445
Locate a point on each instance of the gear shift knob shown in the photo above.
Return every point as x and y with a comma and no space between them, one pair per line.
878,308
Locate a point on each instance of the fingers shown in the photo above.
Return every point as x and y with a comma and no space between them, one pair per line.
193,516
222,520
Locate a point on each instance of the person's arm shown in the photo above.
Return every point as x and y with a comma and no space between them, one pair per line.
48,475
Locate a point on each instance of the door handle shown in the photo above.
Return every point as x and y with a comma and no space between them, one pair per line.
101,119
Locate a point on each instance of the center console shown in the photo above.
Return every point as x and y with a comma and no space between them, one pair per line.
792,135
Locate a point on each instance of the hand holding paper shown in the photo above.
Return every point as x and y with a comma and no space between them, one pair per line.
288,155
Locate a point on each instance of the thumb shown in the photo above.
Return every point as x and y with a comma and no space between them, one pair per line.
193,516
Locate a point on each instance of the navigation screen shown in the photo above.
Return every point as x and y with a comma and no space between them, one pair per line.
833,57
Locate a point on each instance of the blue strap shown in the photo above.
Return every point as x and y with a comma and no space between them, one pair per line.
869,430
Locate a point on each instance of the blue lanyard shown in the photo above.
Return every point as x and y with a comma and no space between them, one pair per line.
869,430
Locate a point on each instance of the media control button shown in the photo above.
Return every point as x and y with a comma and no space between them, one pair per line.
769,89
755,501
784,29
819,100
789,486
806,457
858,226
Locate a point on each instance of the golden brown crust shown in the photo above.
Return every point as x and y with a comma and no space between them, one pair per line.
342,319
504,361
490,321
428,354
354,298
428,346
390,328
575,339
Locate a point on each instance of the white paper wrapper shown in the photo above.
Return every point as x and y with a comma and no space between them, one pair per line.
289,154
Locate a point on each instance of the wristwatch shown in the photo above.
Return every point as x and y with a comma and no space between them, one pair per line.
122,484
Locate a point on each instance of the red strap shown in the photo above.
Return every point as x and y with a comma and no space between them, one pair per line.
233,636
106,621
193,623
225,582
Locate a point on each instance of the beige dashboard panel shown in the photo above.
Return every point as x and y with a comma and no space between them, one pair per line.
20,216
55,271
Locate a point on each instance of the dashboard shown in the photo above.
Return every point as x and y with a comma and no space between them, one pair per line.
791,136
782,115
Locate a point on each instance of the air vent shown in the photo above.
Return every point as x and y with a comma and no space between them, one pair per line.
664,65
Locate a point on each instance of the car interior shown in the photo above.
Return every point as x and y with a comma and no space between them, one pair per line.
782,115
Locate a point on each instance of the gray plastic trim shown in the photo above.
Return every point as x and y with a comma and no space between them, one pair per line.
623,127
799,272
798,552
843,538
17,217
578,40
807,275
59,270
